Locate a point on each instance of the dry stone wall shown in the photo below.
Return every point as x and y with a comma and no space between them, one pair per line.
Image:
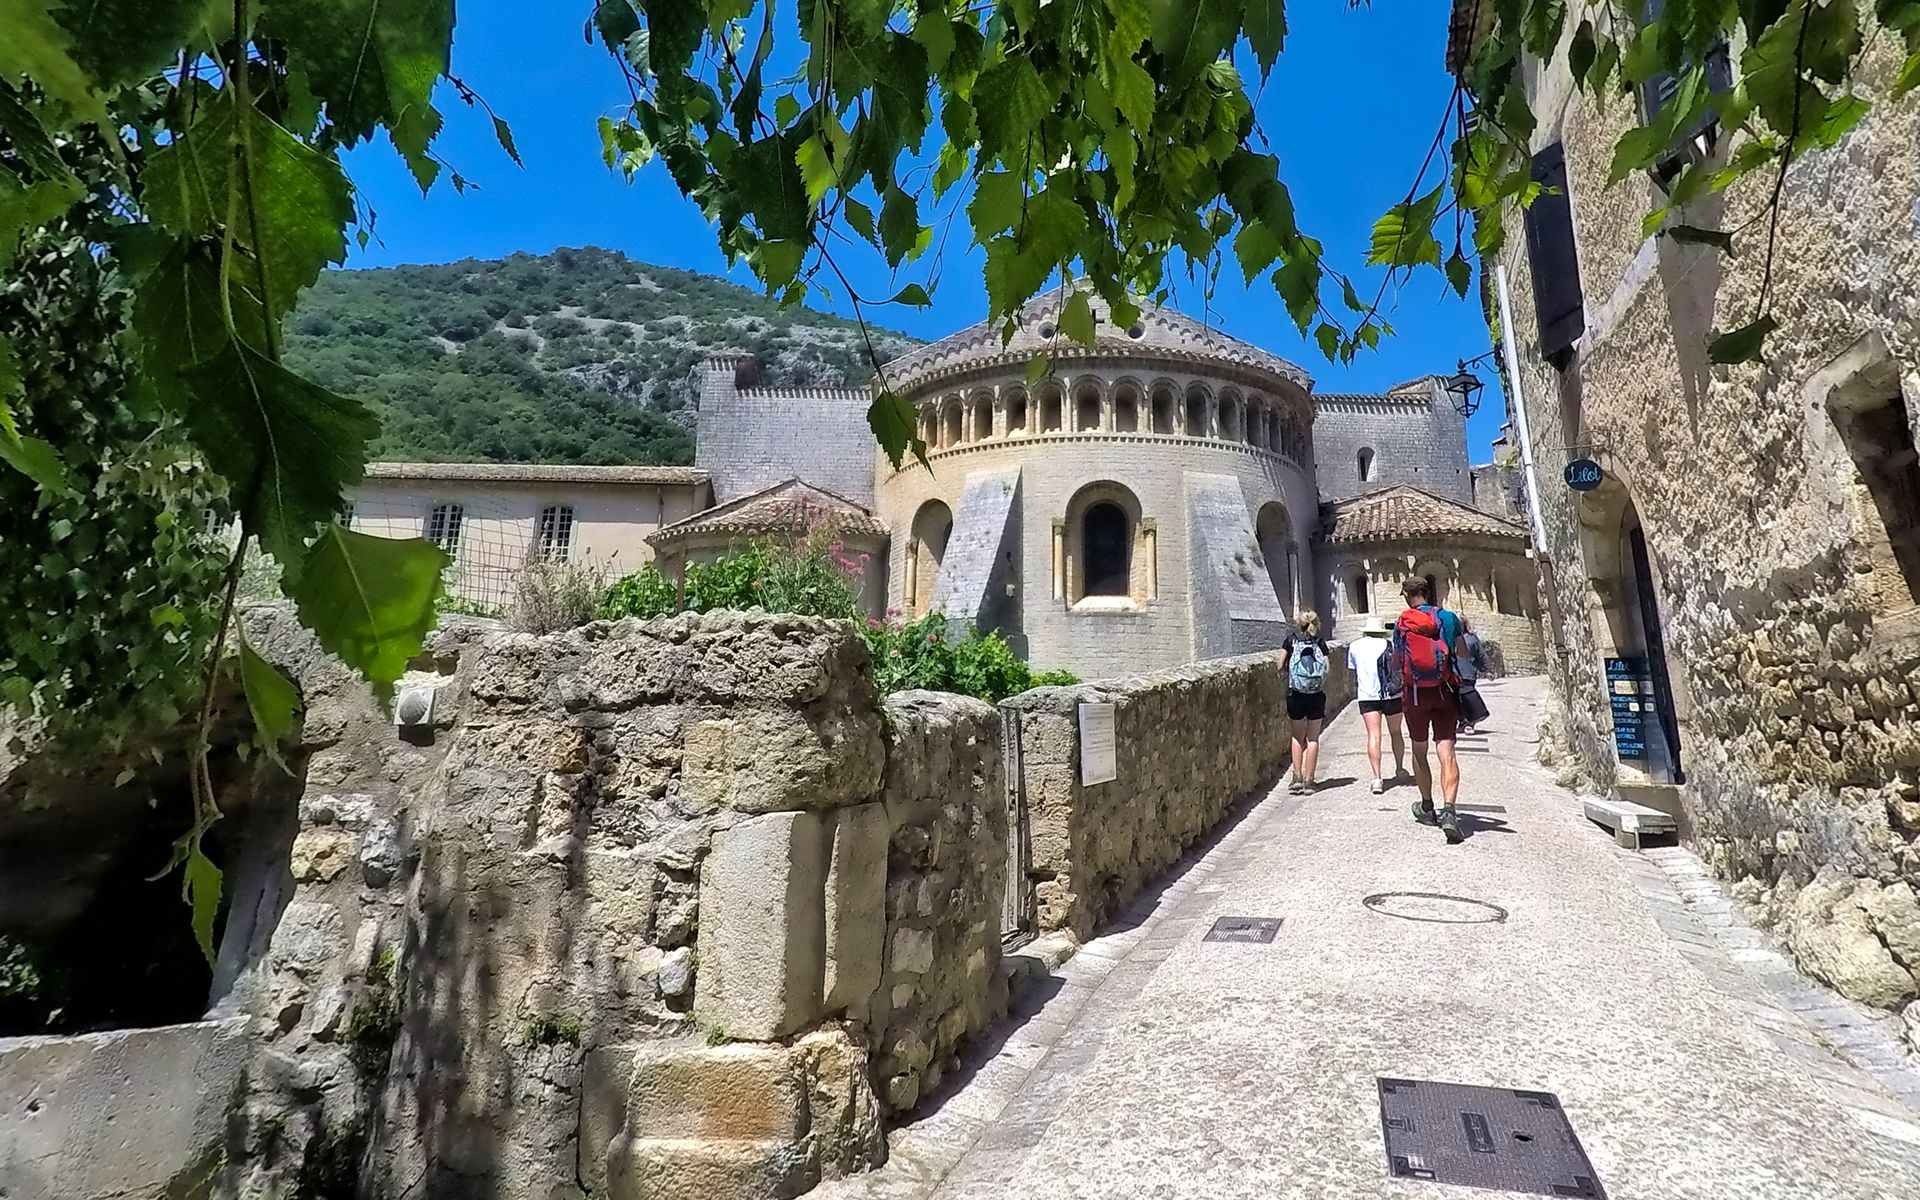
1192,743
658,910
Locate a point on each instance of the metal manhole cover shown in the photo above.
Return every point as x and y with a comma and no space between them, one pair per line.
1502,1138
1436,907
1243,929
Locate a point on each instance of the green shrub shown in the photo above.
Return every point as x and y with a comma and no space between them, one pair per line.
814,578
918,654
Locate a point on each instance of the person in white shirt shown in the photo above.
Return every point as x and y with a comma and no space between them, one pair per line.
1378,692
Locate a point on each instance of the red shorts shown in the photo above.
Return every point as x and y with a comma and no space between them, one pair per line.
1435,713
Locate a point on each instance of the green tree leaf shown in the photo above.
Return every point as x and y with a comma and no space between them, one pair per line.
503,133
895,426
31,456
1403,236
1742,344
1009,101
272,699
289,447
1190,35
1581,54
26,208
36,48
1541,28
301,197
1076,319
912,294
998,197
901,234
1459,274
200,884
374,63
1266,22
370,600
934,32
860,217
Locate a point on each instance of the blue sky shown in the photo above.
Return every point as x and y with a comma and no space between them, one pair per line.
1350,110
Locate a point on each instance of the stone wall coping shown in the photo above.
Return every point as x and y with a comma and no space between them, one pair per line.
1065,697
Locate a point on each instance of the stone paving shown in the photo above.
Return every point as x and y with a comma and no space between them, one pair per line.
1690,1058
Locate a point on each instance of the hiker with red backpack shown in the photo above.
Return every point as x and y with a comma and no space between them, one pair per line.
1425,642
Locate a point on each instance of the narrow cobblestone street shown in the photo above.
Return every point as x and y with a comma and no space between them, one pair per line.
1691,1060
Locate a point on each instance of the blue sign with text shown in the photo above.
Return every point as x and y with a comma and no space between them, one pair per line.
1584,474
1630,695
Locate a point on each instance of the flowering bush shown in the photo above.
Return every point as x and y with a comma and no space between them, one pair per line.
917,654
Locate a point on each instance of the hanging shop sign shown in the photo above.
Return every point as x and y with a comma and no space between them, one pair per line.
1584,474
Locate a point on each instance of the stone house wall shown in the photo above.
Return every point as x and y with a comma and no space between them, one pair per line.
1193,742
1794,675
751,437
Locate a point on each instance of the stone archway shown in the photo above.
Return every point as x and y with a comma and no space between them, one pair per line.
926,550
1273,531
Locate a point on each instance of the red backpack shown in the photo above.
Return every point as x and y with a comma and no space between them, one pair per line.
1419,643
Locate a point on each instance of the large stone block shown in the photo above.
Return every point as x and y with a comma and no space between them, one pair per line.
658,1169
762,941
127,1115
856,907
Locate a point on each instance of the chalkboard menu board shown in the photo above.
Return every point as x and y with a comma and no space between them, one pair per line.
1630,692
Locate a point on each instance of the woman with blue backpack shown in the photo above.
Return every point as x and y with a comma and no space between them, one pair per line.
1304,661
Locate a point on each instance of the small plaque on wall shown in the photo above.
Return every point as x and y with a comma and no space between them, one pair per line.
1099,756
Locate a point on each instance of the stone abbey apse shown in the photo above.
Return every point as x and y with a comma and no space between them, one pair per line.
1169,494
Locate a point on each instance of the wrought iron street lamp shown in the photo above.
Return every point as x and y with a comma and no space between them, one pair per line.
1465,388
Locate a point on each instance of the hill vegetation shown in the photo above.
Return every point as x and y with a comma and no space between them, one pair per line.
579,356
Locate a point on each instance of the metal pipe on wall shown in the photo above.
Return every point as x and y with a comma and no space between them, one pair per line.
1519,405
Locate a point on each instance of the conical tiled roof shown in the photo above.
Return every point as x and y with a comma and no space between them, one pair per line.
792,506
1159,333
1405,513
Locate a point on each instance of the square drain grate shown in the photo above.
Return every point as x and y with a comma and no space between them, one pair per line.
1501,1138
1244,929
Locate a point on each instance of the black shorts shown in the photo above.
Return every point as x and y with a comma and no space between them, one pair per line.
1390,706
1307,706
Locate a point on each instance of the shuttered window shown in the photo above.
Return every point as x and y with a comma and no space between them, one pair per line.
1556,266
1696,140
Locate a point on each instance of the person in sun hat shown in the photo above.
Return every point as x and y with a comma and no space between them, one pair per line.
1377,691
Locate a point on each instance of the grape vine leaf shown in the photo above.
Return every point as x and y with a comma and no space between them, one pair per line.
272,700
35,459
370,600
288,447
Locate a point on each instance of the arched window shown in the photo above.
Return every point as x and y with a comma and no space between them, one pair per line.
1050,410
1107,550
1359,595
1196,414
1016,413
1366,464
926,550
1086,409
1273,530
1126,408
982,418
952,428
1166,417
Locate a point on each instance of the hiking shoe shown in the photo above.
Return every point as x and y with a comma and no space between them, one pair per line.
1423,812
1450,825
1378,787
1296,788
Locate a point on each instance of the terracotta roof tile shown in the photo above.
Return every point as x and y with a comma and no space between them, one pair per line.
792,506
1402,513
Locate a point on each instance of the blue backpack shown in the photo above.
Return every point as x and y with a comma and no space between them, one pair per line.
1307,668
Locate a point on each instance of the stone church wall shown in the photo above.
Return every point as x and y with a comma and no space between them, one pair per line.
1417,438
751,437
1799,714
